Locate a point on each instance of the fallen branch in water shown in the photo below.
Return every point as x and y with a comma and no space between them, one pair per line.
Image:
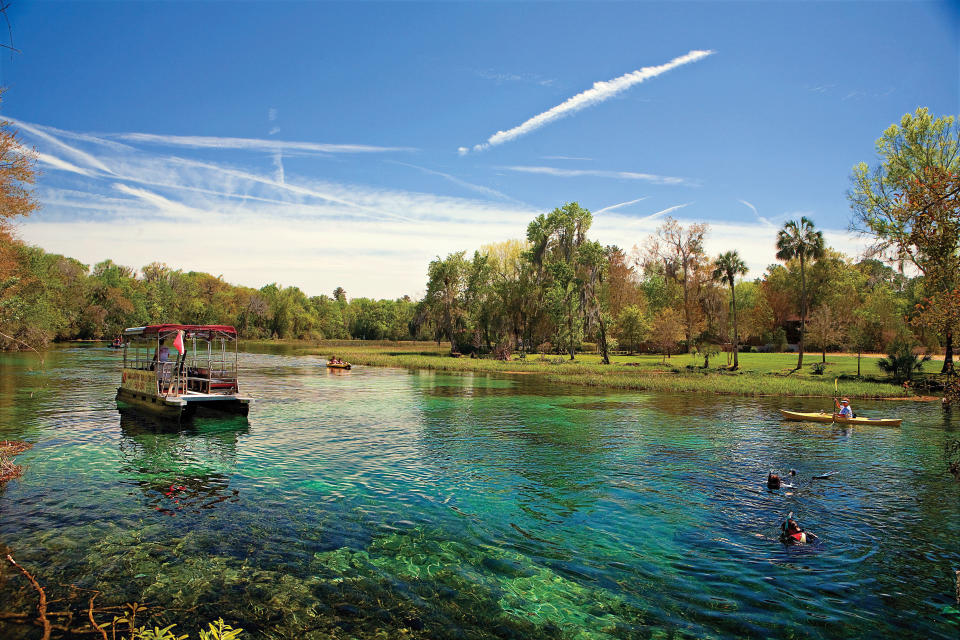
90,614
24,344
8,449
42,605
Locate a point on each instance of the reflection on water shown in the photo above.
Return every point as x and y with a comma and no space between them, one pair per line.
382,503
180,467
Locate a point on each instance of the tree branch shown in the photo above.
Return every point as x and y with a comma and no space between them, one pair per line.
42,605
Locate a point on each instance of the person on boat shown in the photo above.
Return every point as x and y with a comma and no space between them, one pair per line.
160,354
844,408
793,533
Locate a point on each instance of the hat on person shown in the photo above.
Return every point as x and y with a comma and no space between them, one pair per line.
845,401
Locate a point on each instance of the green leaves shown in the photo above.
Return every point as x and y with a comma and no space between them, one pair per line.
220,631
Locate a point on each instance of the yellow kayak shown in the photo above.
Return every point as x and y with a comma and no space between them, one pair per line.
833,417
333,365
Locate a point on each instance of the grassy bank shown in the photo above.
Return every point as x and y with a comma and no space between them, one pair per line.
759,374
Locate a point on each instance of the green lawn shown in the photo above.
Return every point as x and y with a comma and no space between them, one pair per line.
759,374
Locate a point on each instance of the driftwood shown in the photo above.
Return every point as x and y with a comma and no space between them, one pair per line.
8,449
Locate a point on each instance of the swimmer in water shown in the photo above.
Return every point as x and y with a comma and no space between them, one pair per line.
774,481
792,533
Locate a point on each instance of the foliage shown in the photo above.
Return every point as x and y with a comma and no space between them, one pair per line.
902,362
17,174
826,329
800,241
220,631
633,327
727,267
909,203
48,297
680,252
666,331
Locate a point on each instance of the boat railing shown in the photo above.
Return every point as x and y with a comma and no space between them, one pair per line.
208,367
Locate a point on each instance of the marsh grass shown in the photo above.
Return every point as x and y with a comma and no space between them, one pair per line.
760,374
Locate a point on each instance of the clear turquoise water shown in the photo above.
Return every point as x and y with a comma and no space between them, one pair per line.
366,503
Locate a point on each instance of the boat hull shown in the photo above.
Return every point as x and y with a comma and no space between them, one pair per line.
338,366
832,417
182,407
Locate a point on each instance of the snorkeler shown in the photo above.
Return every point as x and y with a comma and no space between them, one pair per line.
792,533
774,481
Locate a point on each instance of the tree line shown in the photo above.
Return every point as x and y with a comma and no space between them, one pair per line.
49,297
558,291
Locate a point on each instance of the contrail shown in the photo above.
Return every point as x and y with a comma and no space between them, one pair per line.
598,93
652,216
619,204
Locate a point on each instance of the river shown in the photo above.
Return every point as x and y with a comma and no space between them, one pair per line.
387,503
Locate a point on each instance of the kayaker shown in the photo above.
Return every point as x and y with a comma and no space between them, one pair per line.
844,408
792,533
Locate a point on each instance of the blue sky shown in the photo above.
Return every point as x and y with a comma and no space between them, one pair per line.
316,144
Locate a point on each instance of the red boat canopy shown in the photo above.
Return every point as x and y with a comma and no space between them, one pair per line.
188,329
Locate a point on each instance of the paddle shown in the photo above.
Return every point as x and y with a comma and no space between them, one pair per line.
836,390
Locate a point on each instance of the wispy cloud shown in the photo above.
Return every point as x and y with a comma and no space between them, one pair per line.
278,163
45,134
60,164
162,205
256,226
658,214
458,181
618,205
600,92
597,173
254,144
757,214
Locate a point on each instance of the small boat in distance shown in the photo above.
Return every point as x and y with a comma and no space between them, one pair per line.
833,417
337,363
191,367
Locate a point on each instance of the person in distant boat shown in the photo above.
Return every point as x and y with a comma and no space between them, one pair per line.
793,533
844,408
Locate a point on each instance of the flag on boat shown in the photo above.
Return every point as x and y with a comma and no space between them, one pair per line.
178,342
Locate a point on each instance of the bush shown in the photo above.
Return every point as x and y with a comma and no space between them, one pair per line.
901,361
776,340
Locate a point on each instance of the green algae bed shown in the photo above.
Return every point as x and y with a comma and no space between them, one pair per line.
760,374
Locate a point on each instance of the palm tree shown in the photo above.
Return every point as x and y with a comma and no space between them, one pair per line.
801,241
727,267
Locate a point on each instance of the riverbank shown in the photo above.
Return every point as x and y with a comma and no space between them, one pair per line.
760,374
